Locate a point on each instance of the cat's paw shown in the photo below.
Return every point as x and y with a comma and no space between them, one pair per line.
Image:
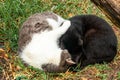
53,23
65,51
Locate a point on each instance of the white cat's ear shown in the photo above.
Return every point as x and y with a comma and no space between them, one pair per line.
70,61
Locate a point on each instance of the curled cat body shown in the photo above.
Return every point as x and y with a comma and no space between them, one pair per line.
90,39
38,42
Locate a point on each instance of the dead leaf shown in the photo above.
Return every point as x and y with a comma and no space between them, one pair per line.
83,78
18,67
70,14
68,72
3,54
1,50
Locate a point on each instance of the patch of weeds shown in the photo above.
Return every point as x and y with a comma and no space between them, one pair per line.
20,63
102,76
76,69
1,68
102,67
118,75
103,71
22,77
37,74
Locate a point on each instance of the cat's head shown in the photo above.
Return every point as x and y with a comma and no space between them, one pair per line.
64,64
37,23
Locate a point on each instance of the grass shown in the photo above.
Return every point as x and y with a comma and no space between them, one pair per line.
14,12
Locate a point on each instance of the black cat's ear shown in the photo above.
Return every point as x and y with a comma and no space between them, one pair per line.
70,61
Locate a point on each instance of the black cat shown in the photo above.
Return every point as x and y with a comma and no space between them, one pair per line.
89,40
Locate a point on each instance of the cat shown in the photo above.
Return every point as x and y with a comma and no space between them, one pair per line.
89,40
38,42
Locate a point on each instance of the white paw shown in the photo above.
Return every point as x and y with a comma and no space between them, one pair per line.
65,51
53,23
66,23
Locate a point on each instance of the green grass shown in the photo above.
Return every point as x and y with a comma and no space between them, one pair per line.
14,12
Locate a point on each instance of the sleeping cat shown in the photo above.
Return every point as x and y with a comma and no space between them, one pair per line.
38,42
89,40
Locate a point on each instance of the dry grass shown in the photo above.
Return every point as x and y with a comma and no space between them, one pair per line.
14,12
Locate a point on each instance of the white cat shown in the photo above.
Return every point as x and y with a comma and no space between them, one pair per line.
38,42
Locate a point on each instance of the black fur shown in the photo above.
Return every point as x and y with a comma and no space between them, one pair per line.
89,40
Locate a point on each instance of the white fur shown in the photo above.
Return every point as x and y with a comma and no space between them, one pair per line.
43,48
53,22
60,20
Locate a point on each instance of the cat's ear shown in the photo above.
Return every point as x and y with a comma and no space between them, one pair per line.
70,61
